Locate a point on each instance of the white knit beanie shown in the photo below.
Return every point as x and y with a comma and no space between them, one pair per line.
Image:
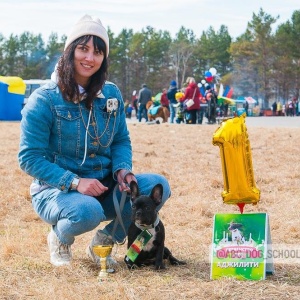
88,25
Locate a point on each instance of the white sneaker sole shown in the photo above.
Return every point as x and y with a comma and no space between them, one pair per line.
55,262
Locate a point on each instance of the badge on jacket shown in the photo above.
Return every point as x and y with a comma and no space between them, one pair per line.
112,105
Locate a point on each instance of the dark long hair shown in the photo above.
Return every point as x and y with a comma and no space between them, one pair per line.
65,70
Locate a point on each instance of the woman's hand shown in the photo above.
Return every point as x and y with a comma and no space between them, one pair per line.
124,178
91,187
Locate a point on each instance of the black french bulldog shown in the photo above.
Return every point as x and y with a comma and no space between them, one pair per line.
145,216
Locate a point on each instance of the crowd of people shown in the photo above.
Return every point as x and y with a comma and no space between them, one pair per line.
290,108
188,105
185,105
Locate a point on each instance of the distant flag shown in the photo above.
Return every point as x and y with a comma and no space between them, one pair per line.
202,90
227,88
230,92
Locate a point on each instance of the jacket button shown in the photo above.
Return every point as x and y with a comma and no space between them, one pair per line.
95,143
63,187
92,155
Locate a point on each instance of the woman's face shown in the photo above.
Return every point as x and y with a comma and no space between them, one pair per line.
87,61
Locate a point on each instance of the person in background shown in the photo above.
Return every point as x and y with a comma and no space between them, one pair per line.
246,106
134,102
172,100
75,143
278,108
294,102
128,109
144,96
211,98
192,92
274,108
290,108
287,111
283,111
164,101
202,109
226,109
180,114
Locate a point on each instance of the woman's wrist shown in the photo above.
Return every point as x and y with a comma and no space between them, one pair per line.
75,183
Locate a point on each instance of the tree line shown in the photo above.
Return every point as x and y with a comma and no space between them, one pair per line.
261,63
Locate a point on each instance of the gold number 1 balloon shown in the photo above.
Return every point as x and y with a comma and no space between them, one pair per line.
236,158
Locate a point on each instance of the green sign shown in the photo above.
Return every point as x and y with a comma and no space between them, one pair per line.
239,246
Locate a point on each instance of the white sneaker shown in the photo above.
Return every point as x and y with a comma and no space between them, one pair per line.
60,254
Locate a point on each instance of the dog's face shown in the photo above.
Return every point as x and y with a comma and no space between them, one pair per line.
144,207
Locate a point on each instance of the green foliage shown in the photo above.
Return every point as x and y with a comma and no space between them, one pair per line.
263,61
259,63
212,50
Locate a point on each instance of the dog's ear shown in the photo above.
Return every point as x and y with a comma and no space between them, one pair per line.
134,191
156,194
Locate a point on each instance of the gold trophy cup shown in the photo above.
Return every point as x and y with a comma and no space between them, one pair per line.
102,251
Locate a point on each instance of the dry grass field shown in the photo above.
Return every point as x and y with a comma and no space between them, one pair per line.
186,156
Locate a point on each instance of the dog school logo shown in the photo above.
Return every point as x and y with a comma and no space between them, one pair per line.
239,252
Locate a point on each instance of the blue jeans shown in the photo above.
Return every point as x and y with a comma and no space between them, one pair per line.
72,214
172,112
201,114
143,112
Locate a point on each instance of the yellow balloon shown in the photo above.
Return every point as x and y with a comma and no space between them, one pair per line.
236,158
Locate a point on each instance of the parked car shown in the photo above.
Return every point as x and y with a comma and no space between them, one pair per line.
33,84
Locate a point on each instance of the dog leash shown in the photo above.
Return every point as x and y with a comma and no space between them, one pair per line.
119,209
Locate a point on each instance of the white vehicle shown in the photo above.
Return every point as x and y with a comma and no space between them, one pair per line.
33,84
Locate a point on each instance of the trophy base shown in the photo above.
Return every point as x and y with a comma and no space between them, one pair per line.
103,277
111,270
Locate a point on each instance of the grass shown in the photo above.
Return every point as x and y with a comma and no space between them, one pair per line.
186,156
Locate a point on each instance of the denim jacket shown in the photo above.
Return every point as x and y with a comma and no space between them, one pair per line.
55,144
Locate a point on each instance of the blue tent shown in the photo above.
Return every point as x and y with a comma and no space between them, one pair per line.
12,91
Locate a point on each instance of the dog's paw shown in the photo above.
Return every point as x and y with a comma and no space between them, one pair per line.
132,267
175,262
178,263
160,267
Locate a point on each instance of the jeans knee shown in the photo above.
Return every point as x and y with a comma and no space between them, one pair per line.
90,216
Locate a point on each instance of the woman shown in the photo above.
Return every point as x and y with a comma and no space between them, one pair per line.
192,92
75,143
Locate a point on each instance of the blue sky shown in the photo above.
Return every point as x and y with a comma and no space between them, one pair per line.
48,16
